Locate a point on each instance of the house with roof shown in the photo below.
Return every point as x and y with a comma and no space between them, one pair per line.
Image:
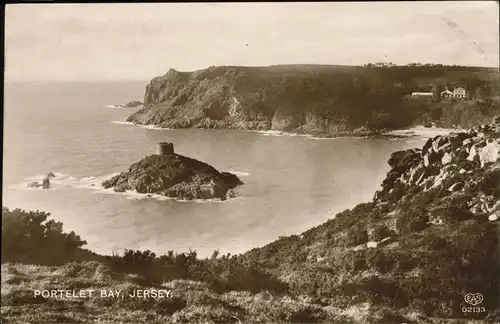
457,93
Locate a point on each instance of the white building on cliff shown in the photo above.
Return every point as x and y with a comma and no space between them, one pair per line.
458,93
421,94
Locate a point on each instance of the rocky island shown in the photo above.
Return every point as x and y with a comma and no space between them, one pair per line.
176,176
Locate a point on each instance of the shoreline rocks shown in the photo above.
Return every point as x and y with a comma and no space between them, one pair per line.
131,104
456,162
175,176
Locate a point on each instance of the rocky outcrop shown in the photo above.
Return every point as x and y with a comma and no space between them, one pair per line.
460,163
131,104
319,100
175,176
428,238
45,183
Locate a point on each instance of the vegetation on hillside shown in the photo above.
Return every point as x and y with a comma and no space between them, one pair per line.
30,237
317,99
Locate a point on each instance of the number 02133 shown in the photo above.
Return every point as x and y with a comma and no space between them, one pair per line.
473,309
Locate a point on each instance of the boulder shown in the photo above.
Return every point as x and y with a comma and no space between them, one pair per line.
489,153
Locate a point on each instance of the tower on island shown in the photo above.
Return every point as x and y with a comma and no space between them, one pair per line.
164,148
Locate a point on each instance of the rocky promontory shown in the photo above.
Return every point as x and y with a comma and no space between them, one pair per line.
320,100
317,100
175,176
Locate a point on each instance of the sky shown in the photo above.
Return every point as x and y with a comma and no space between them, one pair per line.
138,41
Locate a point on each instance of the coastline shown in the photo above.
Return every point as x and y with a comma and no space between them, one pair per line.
412,132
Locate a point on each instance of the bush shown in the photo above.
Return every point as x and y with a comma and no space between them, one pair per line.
412,221
381,232
380,261
21,297
221,273
356,236
28,237
170,305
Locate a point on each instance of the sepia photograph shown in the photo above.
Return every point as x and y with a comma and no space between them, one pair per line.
251,162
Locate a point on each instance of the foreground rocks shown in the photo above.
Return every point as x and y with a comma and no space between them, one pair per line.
429,237
466,165
175,176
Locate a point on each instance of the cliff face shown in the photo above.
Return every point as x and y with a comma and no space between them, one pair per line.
429,237
175,176
307,99
313,99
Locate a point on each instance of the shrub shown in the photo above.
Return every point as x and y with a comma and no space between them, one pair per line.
490,184
221,273
412,221
356,236
383,291
403,262
169,305
380,232
28,237
20,296
380,261
300,313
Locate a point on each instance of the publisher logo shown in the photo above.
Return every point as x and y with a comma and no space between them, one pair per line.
474,299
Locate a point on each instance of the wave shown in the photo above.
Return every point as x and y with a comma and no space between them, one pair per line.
424,132
278,133
239,173
121,122
310,136
152,127
339,137
121,106
61,180
134,195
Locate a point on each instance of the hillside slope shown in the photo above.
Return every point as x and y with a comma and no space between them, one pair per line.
313,99
429,237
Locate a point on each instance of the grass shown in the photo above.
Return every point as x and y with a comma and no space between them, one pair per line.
192,301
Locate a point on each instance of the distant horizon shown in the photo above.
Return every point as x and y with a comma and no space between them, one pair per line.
244,66
137,41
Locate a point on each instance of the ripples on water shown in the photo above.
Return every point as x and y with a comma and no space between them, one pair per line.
291,182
